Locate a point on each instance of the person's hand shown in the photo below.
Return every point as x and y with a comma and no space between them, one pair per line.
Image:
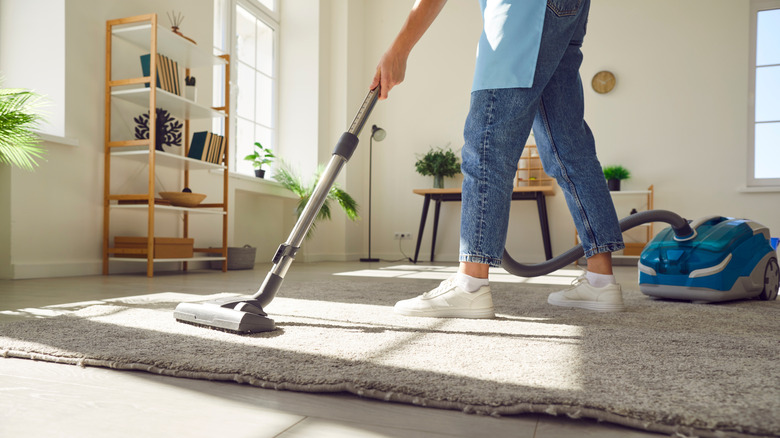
392,65
389,72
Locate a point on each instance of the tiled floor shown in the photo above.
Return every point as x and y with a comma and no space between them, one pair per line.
40,399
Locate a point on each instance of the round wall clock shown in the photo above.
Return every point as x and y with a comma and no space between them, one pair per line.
603,82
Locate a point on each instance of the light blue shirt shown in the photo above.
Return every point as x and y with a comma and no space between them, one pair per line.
509,45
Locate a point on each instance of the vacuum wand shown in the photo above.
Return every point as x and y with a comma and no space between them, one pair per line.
246,315
341,154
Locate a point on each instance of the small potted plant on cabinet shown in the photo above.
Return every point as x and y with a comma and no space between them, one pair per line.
438,162
259,158
614,174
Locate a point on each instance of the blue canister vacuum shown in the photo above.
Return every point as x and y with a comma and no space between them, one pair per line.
708,260
726,259
712,259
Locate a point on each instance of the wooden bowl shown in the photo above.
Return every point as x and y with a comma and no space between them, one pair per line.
183,199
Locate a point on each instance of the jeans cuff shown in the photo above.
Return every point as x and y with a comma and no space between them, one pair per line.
485,260
610,247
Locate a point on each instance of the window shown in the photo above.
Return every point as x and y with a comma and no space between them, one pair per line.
254,51
764,134
43,73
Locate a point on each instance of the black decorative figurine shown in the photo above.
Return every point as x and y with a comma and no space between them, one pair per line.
168,129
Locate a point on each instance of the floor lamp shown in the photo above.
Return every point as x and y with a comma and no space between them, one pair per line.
377,134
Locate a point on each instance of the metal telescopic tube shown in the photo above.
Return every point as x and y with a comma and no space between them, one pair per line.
316,201
363,112
340,156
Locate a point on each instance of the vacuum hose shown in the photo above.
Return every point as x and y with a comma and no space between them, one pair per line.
680,226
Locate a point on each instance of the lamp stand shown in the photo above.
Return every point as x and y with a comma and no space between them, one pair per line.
370,162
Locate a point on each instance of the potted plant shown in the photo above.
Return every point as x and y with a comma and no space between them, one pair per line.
295,184
438,162
18,143
260,157
614,174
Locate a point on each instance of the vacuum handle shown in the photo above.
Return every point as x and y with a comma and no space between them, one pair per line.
364,112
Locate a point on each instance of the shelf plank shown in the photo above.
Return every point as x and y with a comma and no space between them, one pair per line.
169,44
135,197
170,208
167,159
178,106
191,259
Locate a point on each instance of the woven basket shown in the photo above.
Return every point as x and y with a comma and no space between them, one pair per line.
237,258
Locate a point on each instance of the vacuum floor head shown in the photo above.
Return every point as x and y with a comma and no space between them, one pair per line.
726,259
231,315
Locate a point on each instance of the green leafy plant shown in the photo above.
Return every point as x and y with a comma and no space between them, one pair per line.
616,172
261,156
18,118
295,184
438,161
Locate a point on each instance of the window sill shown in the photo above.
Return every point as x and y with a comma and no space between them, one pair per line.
56,139
259,186
766,189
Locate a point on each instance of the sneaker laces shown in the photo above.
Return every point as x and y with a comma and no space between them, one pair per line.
446,284
583,278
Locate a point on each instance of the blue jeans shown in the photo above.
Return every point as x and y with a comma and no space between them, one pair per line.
497,126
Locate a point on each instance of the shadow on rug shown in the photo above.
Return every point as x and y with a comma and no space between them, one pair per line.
705,370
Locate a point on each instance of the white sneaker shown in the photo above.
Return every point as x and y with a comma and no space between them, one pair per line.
449,301
604,299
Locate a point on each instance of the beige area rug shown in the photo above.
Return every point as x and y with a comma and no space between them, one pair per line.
670,367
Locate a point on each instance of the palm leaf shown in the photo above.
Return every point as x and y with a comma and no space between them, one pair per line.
295,184
18,143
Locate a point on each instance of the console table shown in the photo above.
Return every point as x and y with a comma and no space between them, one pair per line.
528,193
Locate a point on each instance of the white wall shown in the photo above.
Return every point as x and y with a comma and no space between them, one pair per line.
677,119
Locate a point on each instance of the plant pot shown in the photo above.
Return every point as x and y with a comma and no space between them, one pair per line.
614,185
438,181
191,93
260,173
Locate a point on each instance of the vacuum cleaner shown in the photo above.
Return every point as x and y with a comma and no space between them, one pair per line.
712,259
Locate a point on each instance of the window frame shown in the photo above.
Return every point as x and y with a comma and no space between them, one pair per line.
755,7
270,19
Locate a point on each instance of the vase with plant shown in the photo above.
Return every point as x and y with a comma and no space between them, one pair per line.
440,163
259,158
614,174
304,191
18,120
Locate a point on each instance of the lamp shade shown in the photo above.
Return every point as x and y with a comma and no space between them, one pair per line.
378,133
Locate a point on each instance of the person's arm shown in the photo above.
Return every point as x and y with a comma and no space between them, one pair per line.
392,65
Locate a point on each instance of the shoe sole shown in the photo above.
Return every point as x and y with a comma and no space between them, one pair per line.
589,305
449,313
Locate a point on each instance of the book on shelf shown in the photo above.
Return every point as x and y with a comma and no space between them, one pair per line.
207,146
167,73
146,67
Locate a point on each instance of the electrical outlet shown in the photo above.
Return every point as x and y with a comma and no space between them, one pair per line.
403,236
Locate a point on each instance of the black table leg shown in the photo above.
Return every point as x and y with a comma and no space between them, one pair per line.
435,227
541,204
426,203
